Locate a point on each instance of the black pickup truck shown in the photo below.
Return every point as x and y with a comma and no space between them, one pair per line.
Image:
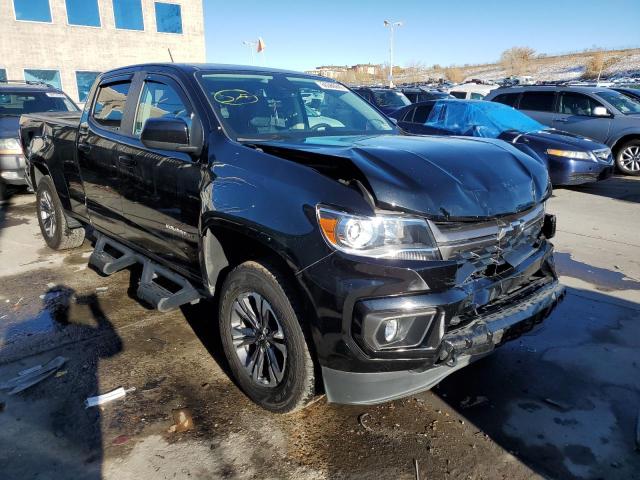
345,256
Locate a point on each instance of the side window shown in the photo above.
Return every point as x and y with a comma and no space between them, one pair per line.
507,99
476,96
408,116
160,100
111,99
537,101
422,113
577,104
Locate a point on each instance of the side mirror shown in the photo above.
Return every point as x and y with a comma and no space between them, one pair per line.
393,120
167,134
601,112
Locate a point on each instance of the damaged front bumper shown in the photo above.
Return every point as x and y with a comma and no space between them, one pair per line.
457,350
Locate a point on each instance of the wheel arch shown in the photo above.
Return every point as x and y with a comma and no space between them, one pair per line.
615,148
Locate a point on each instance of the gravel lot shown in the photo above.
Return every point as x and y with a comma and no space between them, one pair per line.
562,402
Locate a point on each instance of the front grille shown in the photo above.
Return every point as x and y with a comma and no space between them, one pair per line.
488,242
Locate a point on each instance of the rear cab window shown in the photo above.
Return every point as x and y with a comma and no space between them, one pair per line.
109,107
537,101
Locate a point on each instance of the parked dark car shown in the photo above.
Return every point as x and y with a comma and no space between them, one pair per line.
17,98
356,257
417,95
602,114
387,100
571,159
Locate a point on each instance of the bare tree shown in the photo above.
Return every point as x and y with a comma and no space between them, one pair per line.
454,74
517,60
597,64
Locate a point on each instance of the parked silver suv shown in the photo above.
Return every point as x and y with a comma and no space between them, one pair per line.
598,113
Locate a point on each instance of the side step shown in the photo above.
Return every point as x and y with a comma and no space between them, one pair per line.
105,262
163,289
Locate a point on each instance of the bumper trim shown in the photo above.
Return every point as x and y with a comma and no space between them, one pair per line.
458,349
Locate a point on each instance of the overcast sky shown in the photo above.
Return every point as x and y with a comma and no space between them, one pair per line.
304,34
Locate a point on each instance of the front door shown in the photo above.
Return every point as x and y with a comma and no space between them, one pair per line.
161,200
98,138
575,115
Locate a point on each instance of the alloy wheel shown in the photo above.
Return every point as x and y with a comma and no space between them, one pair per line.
630,158
258,339
48,214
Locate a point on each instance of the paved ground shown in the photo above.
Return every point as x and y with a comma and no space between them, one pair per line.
559,403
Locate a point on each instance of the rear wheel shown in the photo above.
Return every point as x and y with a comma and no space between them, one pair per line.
628,158
53,223
263,339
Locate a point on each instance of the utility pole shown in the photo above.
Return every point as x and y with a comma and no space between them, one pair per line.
392,26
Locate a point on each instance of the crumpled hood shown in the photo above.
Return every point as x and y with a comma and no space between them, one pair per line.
9,127
440,177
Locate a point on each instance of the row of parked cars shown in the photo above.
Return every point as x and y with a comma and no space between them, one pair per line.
579,132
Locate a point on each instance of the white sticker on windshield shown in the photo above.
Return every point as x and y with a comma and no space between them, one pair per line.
331,86
55,95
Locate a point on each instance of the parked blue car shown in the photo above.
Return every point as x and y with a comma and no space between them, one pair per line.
571,159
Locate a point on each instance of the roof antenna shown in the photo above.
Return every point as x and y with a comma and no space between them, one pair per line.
170,56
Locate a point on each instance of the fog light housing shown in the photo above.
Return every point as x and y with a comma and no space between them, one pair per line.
390,329
396,330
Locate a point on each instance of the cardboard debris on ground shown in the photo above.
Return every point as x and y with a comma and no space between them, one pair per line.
182,420
32,376
107,397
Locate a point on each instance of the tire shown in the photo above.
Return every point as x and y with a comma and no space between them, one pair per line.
628,158
290,385
53,223
3,191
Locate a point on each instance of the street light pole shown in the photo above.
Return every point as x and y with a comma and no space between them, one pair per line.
251,46
392,26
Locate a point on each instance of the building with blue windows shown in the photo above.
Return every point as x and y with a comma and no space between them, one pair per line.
66,43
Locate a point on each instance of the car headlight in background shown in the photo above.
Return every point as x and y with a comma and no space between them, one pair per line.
570,154
382,236
11,145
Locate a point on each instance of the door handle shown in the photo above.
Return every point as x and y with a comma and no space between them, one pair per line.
84,147
127,161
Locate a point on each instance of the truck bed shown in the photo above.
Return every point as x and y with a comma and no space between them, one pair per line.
66,119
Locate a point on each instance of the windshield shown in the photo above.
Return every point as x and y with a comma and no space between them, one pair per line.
17,103
622,103
390,98
280,106
479,118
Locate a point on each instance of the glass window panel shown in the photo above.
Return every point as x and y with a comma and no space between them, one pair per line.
83,12
128,14
109,108
84,81
168,18
159,100
537,101
3,75
32,10
52,77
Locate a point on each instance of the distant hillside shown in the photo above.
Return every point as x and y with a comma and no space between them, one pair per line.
618,63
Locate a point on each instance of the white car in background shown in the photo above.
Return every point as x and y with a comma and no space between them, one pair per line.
471,91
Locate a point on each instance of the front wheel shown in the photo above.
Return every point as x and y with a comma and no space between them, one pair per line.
628,158
263,339
53,223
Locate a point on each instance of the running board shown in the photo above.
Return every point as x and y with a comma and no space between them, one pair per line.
160,287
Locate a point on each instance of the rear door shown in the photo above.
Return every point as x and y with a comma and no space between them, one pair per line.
98,137
161,200
575,115
539,105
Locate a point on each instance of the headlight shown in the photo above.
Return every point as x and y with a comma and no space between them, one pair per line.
9,144
570,154
383,236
